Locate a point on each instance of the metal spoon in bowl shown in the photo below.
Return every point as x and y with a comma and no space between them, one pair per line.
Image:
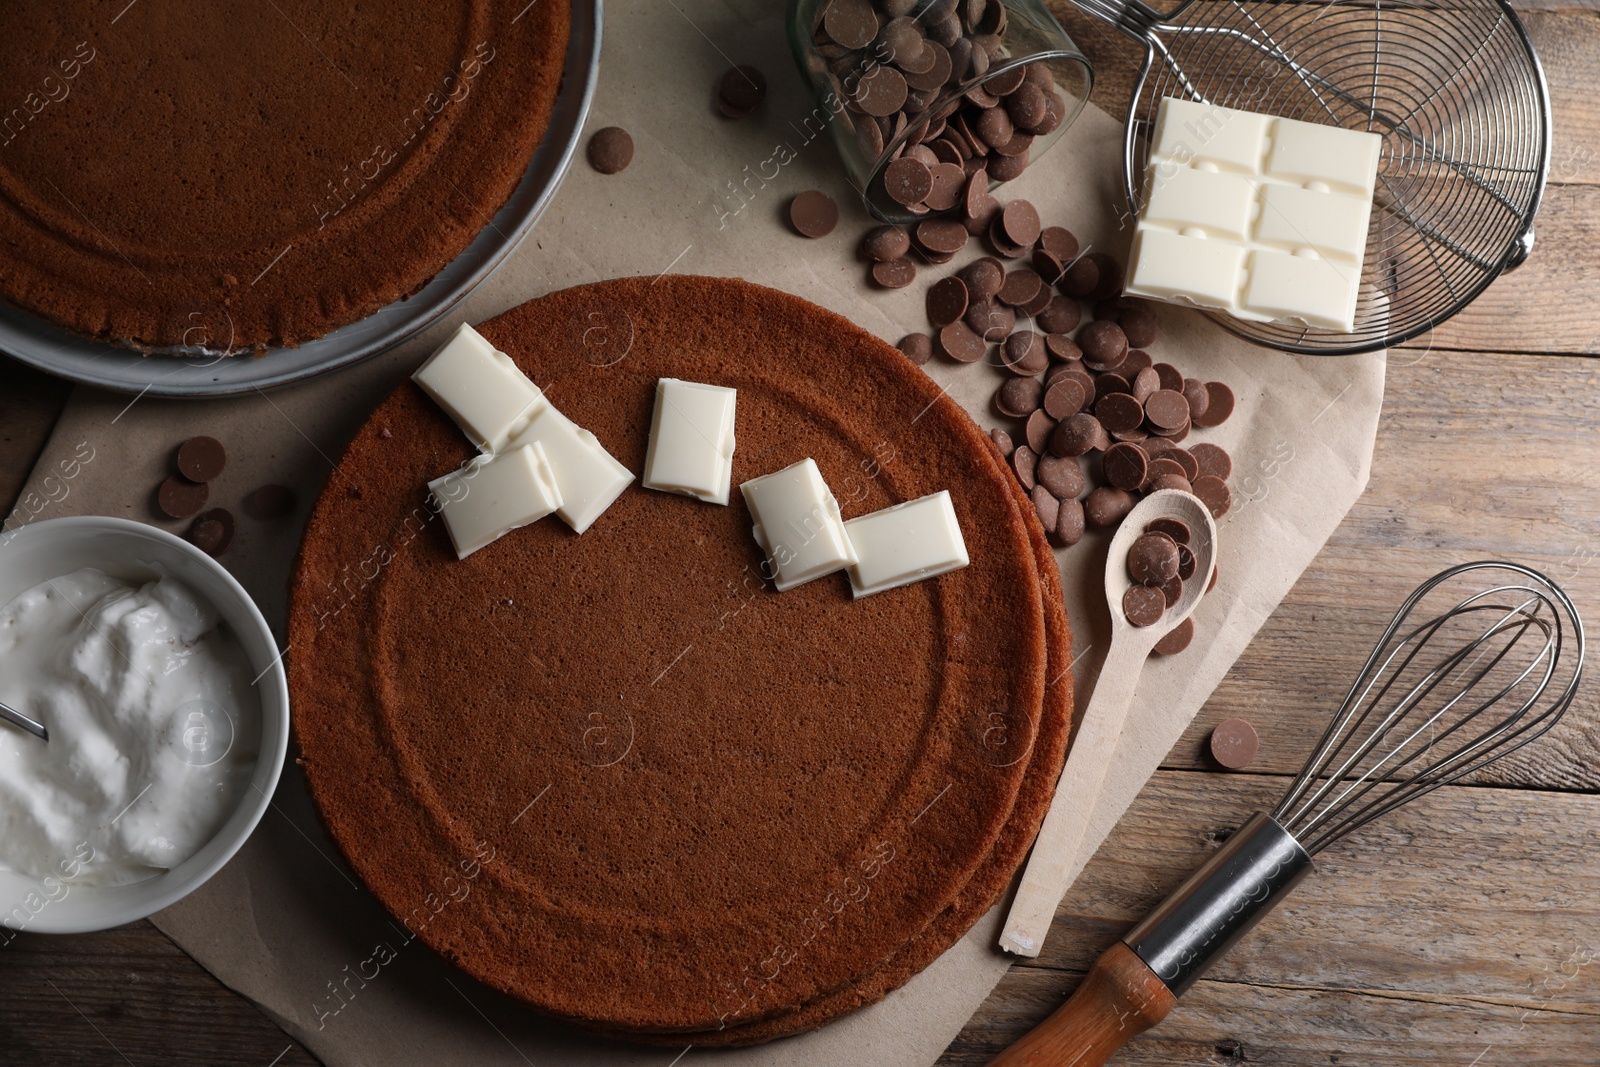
1046,879
22,722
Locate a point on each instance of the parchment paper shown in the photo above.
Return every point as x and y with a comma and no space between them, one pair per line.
287,925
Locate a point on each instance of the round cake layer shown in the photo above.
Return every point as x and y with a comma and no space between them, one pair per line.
988,882
706,802
240,175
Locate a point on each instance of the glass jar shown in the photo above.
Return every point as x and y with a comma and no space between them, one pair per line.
978,84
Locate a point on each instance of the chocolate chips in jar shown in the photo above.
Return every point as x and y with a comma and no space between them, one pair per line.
897,68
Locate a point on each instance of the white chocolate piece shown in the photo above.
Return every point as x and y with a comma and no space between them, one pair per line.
1193,133
1221,204
797,524
691,440
1303,286
1343,160
479,387
1188,269
906,543
1299,255
1292,219
493,495
588,477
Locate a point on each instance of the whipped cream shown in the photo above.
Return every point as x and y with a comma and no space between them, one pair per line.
154,728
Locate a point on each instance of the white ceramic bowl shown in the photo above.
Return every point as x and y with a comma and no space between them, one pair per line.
126,549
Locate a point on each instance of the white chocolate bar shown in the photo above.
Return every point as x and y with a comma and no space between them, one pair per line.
493,495
1291,248
588,477
479,387
906,543
691,440
797,524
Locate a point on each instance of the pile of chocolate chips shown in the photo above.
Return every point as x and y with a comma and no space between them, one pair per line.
891,70
1099,420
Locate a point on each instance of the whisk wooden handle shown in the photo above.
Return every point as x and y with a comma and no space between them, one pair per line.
1118,1000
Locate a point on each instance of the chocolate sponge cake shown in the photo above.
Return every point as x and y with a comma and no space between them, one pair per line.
988,882
237,175
707,805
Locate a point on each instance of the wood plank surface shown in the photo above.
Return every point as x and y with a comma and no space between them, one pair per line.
1442,936
126,996
1464,931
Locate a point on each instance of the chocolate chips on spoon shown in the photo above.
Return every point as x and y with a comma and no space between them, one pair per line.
1160,561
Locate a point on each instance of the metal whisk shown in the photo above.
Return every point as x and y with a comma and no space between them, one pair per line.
1455,90
1480,660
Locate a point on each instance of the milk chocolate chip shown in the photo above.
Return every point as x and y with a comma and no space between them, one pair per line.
947,301
1023,461
1107,506
894,274
1152,559
200,459
1019,397
1069,523
813,213
918,347
610,150
1177,639
1143,606
1234,743
1061,475
1212,460
179,498
741,89
1124,466
213,531
959,343
885,243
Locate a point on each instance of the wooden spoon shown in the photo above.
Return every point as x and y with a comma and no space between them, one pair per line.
1047,876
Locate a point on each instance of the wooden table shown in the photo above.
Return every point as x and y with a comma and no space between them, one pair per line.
1464,931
